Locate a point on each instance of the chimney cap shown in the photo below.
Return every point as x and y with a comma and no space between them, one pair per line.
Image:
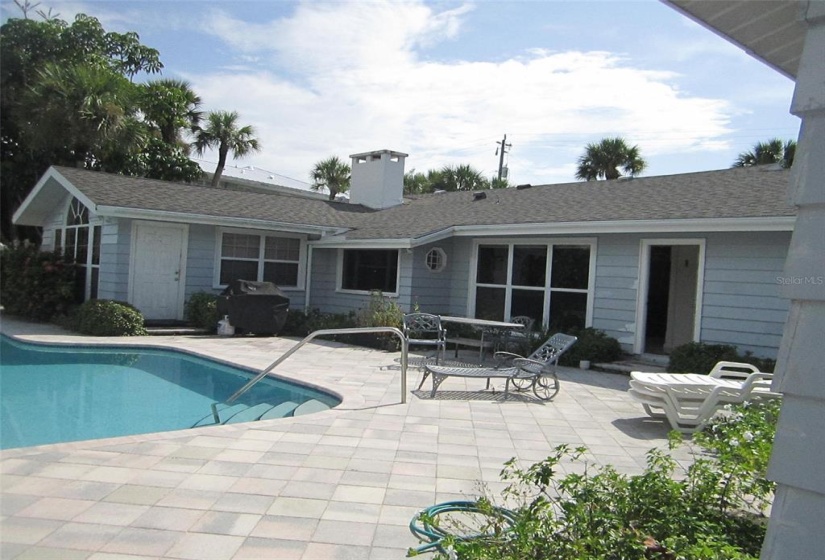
392,153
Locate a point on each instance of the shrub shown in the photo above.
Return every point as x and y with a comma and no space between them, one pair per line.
699,357
300,324
33,284
593,345
714,510
202,311
102,317
381,311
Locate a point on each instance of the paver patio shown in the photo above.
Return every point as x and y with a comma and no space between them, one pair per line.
342,483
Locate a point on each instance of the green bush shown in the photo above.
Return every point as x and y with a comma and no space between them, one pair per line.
381,311
593,345
713,510
300,324
699,357
33,284
102,317
202,311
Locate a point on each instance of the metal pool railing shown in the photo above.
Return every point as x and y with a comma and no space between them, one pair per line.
315,334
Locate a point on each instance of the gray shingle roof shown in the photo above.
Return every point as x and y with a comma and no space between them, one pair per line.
726,194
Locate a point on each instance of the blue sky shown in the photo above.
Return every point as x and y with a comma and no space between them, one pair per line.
444,81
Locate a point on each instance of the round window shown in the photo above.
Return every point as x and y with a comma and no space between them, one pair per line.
436,259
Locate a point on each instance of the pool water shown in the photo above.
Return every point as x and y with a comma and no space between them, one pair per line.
51,394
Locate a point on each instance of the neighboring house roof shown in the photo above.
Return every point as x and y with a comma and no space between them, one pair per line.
733,199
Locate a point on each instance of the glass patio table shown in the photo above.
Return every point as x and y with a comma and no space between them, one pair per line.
490,330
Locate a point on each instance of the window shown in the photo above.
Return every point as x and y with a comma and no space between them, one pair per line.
549,282
436,259
80,243
258,257
365,270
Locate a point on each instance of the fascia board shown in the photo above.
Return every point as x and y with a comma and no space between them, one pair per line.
179,217
776,223
362,244
29,214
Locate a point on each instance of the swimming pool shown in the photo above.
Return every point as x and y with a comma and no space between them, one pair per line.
51,394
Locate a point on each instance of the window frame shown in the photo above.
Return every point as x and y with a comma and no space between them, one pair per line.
94,233
547,289
442,257
261,259
340,271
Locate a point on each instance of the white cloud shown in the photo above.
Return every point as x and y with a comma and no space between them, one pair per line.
349,77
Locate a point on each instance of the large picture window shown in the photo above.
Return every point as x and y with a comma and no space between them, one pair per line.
260,257
365,270
546,281
80,243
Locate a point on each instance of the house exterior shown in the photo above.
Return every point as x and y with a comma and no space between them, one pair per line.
655,262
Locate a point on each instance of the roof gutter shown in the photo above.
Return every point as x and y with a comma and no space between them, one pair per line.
181,217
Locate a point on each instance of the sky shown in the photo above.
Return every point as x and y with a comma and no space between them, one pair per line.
445,81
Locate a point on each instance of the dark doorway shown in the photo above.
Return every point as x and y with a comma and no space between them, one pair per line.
658,296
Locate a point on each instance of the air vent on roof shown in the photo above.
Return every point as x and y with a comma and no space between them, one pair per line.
479,195
525,186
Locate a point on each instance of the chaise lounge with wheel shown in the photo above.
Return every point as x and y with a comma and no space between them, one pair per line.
536,372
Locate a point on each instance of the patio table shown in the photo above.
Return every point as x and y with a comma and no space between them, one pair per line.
488,328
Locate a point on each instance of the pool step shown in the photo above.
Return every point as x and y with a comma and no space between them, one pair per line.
249,414
281,411
309,407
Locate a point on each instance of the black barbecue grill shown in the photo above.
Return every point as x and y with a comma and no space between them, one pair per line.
254,307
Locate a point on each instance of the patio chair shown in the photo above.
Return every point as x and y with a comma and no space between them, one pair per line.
537,371
425,329
520,338
689,400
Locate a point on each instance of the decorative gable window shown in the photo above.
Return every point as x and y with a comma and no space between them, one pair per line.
261,258
367,270
74,239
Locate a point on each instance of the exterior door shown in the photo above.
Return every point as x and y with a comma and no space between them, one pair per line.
158,269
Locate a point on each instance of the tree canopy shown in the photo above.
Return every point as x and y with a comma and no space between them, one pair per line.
449,178
608,159
771,151
69,96
223,133
331,174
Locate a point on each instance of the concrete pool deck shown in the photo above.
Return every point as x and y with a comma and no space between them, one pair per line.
338,484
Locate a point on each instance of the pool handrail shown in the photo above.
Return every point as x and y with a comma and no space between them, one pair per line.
309,337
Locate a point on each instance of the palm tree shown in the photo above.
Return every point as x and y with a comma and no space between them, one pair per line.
223,133
462,178
603,160
772,151
332,174
171,106
72,112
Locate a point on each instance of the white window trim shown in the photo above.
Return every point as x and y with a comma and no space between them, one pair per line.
302,256
93,222
641,294
591,242
339,281
443,257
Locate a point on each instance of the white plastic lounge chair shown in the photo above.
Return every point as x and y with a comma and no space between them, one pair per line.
689,400
424,329
538,371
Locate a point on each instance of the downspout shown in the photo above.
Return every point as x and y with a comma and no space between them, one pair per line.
307,279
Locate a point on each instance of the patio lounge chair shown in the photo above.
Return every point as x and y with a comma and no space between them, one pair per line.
537,371
425,329
689,400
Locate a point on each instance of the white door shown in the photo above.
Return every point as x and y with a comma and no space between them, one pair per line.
158,269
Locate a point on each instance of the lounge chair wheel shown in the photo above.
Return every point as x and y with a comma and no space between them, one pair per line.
522,383
546,386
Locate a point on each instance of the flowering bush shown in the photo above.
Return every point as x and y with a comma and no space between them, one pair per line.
713,510
33,284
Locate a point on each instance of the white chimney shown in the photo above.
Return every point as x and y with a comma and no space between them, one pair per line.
377,179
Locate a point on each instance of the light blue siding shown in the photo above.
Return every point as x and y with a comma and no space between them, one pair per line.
200,260
430,291
741,301
115,249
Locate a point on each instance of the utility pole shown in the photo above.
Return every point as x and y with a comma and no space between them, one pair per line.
503,145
